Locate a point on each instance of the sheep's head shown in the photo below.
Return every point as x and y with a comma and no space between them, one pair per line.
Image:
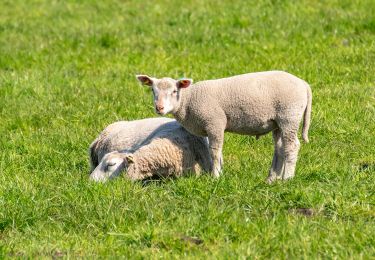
166,91
111,166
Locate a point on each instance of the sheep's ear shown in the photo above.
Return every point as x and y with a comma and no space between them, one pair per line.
129,158
184,83
145,80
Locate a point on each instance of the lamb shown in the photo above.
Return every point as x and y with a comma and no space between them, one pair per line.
169,151
250,104
123,135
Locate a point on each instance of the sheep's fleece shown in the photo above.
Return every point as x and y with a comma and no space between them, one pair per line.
251,104
123,135
168,151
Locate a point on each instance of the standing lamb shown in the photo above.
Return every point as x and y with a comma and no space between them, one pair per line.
168,151
251,104
123,135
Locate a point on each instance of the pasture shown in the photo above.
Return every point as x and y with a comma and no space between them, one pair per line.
67,69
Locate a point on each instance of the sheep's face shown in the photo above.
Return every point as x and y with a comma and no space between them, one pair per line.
166,92
111,166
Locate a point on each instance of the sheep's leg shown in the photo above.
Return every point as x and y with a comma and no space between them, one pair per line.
277,162
196,169
290,148
221,159
216,145
216,161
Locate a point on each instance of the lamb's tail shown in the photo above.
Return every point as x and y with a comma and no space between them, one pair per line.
307,115
94,160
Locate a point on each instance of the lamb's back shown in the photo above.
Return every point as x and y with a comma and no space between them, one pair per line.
252,87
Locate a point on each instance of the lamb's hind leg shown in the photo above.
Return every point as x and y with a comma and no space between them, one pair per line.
290,148
277,161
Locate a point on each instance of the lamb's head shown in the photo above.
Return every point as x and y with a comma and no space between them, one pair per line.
166,91
111,166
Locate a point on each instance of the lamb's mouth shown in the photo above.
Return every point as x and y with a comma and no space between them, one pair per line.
160,112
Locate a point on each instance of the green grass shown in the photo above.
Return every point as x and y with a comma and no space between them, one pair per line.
67,70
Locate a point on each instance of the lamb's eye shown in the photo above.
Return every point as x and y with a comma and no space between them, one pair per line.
174,91
109,164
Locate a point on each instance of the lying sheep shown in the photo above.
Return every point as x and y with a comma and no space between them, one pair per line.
251,104
123,135
169,151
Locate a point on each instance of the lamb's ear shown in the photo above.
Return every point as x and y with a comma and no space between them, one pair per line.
184,83
145,80
129,158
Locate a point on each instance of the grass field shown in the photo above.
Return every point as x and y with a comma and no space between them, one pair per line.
67,70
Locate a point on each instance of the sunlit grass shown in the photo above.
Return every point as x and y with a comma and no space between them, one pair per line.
67,70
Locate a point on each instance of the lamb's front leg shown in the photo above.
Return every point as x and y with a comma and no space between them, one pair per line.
216,141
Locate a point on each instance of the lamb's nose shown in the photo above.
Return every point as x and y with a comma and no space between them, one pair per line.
159,108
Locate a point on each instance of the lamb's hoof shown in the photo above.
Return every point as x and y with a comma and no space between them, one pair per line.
288,178
216,174
270,180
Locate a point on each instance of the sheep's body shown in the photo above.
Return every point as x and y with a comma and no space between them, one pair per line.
169,151
123,135
251,104
172,152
